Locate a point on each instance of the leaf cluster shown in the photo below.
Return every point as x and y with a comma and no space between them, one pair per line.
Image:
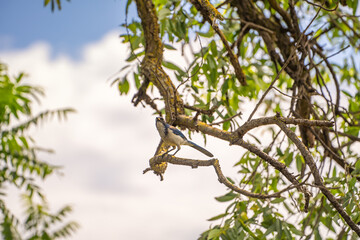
20,165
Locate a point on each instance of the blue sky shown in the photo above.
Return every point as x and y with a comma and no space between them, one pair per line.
23,22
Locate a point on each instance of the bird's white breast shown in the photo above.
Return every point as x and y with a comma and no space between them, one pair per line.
176,139
170,138
161,129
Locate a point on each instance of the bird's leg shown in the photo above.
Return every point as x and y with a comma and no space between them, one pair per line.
178,148
173,147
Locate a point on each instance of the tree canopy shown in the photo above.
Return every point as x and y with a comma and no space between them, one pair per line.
287,68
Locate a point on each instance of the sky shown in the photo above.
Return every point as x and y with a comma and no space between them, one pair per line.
79,22
106,144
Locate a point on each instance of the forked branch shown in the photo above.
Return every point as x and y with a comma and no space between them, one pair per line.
159,159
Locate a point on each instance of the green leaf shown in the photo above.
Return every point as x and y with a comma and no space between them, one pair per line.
288,159
295,230
59,4
225,87
124,86
278,200
352,183
24,141
287,233
355,6
357,165
230,180
137,80
247,229
234,102
226,125
172,66
299,162
134,56
207,34
227,197
127,6
168,46
163,13
346,93
278,228
214,233
218,217
211,61
19,78
213,48
317,234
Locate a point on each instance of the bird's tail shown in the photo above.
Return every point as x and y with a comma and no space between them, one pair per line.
197,147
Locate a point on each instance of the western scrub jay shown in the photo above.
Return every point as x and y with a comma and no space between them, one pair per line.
174,137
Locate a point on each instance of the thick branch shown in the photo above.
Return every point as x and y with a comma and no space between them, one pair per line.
142,96
273,120
222,179
248,11
274,4
151,64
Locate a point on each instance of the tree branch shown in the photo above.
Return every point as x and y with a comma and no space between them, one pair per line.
227,136
240,132
151,64
233,58
160,159
317,177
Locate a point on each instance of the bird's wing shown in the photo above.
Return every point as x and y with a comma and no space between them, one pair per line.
177,132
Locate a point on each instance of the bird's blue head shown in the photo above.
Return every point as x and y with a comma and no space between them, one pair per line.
160,119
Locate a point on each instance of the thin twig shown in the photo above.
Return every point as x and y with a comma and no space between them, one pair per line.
323,8
348,25
202,63
332,55
226,120
285,93
208,112
254,25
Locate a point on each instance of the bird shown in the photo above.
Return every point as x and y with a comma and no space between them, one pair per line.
174,137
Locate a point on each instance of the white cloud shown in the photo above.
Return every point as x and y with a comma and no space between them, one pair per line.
106,145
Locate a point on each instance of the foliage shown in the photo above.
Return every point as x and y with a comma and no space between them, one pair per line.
321,82
20,166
